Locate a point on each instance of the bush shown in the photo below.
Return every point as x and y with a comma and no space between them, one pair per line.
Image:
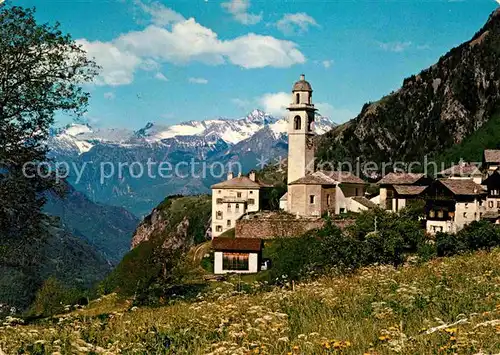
52,298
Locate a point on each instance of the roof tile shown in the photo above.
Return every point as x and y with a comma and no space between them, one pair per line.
237,244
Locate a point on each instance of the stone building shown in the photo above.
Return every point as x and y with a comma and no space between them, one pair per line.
232,198
313,193
397,188
301,131
326,192
453,203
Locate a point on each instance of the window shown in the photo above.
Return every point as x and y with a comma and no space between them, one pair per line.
297,98
465,214
310,122
310,97
251,201
219,201
440,214
490,204
235,261
432,214
219,192
237,207
229,207
466,205
312,198
498,204
297,123
238,194
328,200
219,215
251,192
228,223
218,228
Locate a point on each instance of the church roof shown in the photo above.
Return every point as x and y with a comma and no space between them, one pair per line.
302,85
343,177
324,177
317,178
240,182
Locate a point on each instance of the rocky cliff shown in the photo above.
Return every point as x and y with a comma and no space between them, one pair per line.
177,223
431,112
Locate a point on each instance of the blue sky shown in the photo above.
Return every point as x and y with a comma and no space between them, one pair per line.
173,61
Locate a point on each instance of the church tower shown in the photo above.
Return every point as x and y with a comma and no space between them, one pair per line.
300,131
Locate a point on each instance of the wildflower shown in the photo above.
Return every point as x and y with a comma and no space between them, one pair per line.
451,330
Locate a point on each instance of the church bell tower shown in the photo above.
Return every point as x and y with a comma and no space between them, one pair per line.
301,131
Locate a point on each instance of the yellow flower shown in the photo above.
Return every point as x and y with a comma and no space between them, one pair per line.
451,330
383,338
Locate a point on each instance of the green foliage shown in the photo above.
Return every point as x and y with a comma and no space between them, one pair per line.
52,298
41,73
475,236
472,147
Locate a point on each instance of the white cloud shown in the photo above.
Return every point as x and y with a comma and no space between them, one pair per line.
109,95
160,14
275,103
327,63
198,81
396,47
161,76
239,10
117,66
295,23
185,41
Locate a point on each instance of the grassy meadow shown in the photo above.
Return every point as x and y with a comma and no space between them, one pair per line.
446,306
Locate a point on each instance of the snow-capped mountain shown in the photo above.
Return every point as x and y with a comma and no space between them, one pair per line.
249,140
76,139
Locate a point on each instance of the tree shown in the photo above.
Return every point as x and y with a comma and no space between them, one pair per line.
41,72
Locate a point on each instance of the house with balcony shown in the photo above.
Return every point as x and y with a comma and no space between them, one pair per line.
239,256
234,197
453,203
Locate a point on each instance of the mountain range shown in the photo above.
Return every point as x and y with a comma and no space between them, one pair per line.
251,141
441,108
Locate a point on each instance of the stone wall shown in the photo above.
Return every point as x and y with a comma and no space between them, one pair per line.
285,227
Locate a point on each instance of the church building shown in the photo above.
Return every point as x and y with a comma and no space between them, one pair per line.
313,193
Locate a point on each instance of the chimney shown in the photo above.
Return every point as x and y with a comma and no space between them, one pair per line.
230,175
302,77
251,176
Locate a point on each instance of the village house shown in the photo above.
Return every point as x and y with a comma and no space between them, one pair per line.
398,188
492,206
232,198
463,170
327,192
491,160
453,203
240,256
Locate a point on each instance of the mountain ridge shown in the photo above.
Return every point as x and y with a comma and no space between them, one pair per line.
432,111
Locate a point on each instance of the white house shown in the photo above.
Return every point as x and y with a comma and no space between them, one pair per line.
241,255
